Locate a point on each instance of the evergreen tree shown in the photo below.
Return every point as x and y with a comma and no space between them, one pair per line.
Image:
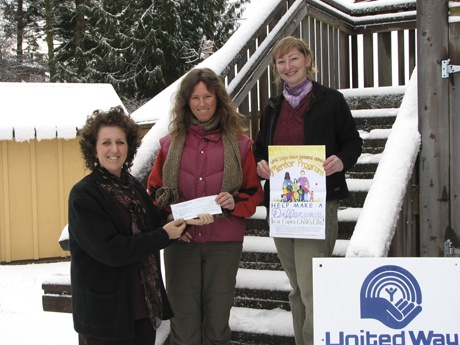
22,24
139,46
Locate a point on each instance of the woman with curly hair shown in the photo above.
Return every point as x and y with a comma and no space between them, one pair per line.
115,235
205,154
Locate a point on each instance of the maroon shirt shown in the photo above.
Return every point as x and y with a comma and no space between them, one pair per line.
289,128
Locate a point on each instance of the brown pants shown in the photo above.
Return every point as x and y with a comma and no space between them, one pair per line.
144,334
200,280
296,256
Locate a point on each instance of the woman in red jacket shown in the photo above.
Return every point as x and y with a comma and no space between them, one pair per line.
206,153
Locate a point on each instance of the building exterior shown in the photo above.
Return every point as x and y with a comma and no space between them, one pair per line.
40,161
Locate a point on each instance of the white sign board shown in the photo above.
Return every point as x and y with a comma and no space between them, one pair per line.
386,301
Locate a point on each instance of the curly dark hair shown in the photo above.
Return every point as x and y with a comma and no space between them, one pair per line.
115,117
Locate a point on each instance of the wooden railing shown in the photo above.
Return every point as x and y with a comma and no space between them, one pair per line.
354,48
367,47
362,47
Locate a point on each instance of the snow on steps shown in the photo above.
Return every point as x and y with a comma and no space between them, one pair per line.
256,244
257,326
260,314
250,326
261,297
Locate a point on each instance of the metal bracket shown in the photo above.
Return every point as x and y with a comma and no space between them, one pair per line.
449,250
446,69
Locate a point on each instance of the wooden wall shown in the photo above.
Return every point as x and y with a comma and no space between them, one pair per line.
439,108
454,104
36,178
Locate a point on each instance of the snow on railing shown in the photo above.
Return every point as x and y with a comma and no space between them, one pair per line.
376,224
157,110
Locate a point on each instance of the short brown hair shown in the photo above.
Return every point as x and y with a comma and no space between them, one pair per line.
284,46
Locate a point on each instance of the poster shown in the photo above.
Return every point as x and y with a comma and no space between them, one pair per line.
297,191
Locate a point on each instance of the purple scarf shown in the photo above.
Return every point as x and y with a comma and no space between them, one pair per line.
294,95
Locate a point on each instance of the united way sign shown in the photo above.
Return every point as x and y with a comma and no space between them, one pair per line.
386,301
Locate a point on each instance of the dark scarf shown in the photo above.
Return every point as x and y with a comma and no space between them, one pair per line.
122,190
233,170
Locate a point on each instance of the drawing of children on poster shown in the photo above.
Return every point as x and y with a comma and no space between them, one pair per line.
297,191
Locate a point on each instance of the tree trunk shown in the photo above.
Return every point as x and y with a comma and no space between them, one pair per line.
20,26
49,39
80,34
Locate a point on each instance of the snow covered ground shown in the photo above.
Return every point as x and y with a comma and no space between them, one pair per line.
23,321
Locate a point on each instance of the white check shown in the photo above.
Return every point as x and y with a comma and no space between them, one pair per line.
192,208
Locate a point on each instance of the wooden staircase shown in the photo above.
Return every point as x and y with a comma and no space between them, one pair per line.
261,313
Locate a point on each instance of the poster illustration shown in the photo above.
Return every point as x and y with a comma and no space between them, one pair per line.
297,191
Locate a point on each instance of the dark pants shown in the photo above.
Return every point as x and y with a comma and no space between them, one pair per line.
144,334
200,280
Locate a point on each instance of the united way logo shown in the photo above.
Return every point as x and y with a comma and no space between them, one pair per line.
391,295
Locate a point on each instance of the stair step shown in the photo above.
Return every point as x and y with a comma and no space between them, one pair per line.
367,172
261,327
365,167
369,119
355,199
256,225
374,141
261,261
260,253
262,289
374,98
261,299
374,146
347,222
375,134
259,244
359,185
260,280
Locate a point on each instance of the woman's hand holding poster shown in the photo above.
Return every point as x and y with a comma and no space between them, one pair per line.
297,191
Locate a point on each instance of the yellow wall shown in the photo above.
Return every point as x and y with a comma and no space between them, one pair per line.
36,178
